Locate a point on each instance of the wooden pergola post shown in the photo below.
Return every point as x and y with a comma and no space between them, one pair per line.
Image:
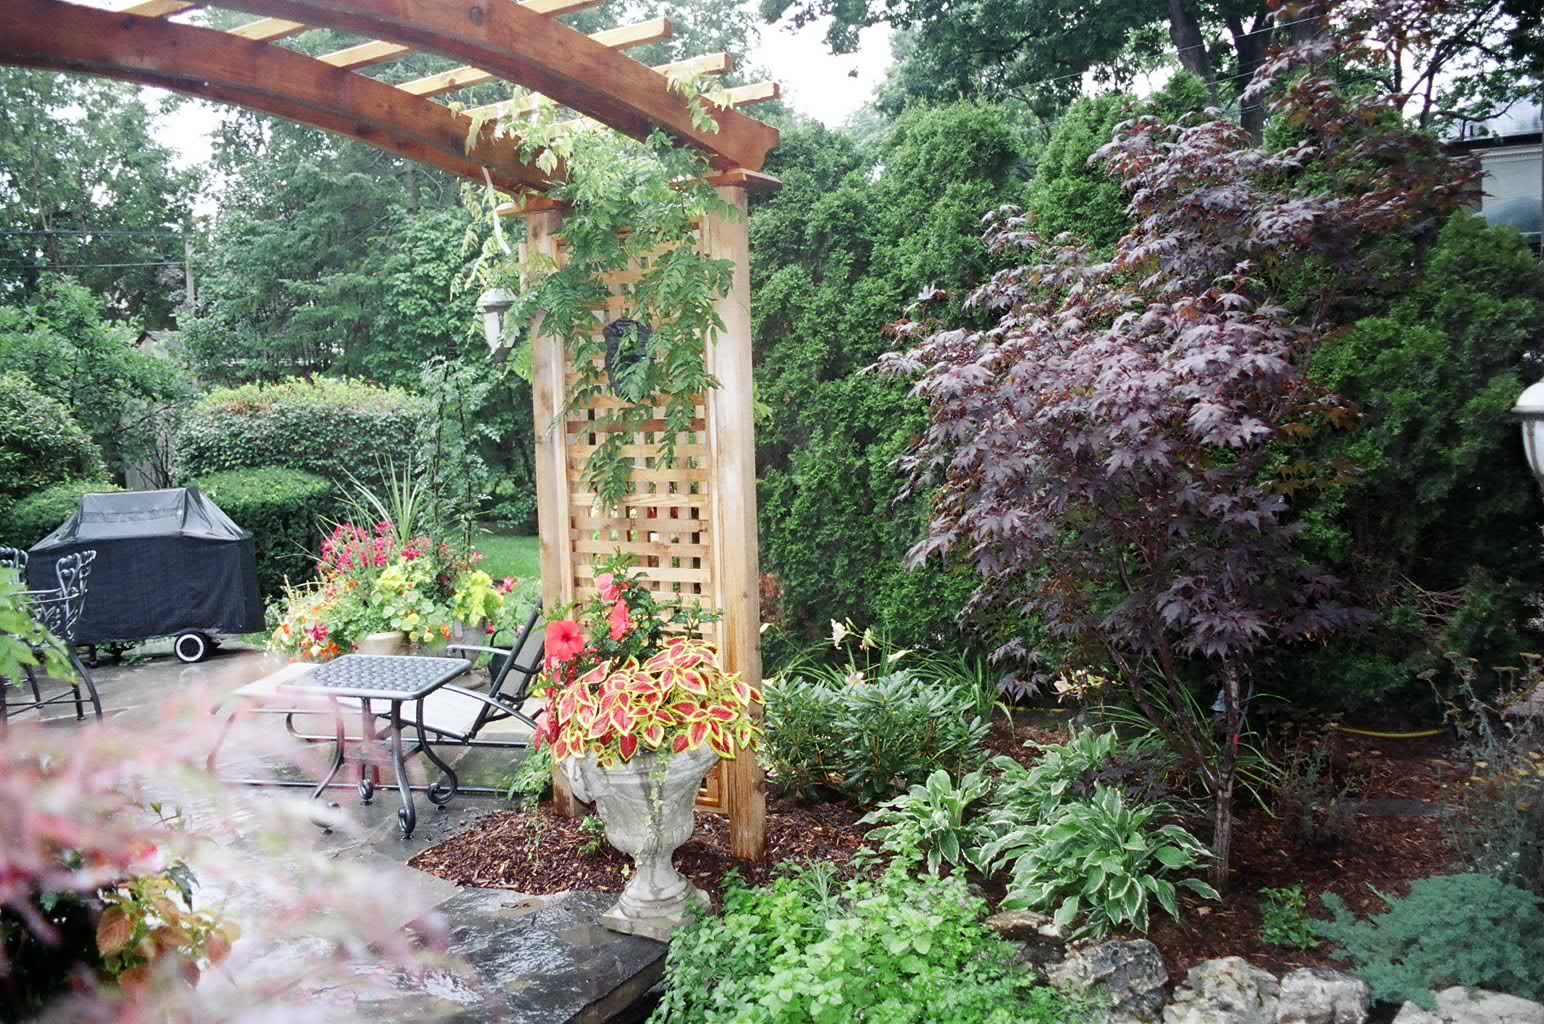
692,525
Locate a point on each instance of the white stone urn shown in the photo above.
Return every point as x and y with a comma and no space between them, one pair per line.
391,642
647,805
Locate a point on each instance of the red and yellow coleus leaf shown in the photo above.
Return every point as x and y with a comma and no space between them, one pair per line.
628,745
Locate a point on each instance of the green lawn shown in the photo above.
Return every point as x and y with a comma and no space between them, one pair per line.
507,555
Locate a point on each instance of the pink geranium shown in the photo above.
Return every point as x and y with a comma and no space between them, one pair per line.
621,620
606,583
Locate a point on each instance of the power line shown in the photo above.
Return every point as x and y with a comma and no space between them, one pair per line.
83,266
87,231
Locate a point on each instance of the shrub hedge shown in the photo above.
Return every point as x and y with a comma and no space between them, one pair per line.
25,522
327,427
284,509
40,442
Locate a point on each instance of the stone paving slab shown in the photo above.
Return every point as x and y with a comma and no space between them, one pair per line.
538,960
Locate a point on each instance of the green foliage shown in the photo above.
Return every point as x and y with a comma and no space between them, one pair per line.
658,369
1467,930
844,246
23,640
332,428
871,739
62,339
531,780
1036,793
1067,193
40,442
84,184
1430,495
1284,919
284,510
34,517
1100,859
935,819
886,950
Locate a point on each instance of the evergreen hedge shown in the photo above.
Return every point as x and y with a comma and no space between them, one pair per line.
284,509
25,522
327,427
41,444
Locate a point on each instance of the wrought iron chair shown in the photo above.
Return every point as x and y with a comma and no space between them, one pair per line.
57,610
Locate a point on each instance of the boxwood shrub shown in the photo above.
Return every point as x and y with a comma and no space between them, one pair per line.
285,510
40,442
327,427
23,523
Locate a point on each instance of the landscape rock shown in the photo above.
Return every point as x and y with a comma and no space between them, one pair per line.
1458,1005
1317,995
1226,991
1127,979
1040,942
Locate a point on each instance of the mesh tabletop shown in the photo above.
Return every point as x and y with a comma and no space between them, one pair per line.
381,677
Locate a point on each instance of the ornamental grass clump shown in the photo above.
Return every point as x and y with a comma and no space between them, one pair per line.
629,674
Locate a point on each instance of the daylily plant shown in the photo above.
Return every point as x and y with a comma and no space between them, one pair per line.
617,681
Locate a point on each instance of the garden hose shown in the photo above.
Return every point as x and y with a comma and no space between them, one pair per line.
1420,734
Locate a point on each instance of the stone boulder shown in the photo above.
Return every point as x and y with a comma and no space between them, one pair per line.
1473,1006
1226,991
1040,942
1316,995
1126,980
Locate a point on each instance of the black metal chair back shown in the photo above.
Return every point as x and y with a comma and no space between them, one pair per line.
57,610
512,670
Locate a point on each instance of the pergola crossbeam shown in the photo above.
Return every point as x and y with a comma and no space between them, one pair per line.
522,46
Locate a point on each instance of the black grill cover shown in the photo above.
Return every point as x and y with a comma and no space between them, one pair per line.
167,562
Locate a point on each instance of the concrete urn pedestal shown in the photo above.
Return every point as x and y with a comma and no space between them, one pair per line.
647,805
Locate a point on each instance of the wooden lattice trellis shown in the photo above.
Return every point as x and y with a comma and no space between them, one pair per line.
693,525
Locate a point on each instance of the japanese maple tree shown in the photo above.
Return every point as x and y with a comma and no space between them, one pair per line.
1110,450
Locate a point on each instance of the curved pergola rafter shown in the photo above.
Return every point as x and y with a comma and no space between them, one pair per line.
521,43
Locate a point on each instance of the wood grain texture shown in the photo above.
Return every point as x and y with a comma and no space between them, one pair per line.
220,66
541,53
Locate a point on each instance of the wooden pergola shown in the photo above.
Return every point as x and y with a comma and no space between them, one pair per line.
693,524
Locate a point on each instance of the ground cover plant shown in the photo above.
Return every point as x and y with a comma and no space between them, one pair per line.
882,946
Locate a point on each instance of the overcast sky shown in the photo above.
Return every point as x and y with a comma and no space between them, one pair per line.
814,83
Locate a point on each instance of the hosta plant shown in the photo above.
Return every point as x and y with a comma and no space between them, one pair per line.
938,819
628,674
1100,859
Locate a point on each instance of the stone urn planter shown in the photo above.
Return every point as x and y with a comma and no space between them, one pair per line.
392,642
647,806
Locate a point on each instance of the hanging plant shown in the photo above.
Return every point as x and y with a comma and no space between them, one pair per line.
635,206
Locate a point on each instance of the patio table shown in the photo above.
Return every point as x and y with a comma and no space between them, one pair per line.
395,680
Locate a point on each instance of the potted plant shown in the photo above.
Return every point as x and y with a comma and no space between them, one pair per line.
638,710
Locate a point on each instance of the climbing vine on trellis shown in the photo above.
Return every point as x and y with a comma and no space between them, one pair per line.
628,204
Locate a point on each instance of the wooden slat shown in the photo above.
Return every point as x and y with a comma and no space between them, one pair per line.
653,31
707,64
154,8
266,30
756,92
651,548
376,51
204,62
544,55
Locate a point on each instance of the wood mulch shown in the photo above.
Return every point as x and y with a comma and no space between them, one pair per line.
540,852
543,852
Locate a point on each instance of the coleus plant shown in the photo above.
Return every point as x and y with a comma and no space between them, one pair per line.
679,699
630,673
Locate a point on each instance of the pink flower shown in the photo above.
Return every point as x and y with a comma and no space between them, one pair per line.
491,629
409,553
508,585
606,583
385,526
621,620
564,640
380,560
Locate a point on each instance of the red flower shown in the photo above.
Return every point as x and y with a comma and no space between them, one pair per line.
621,620
564,640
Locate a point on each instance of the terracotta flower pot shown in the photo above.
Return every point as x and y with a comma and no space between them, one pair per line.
392,642
647,806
